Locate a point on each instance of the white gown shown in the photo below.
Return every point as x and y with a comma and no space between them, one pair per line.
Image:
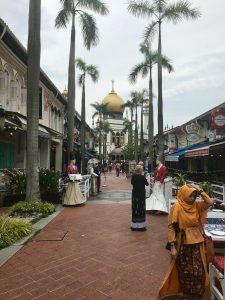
157,200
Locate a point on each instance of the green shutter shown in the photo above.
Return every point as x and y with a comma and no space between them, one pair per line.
6,155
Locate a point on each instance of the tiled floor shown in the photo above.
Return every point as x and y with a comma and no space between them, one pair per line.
89,252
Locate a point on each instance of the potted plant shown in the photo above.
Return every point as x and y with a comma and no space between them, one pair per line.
178,180
207,188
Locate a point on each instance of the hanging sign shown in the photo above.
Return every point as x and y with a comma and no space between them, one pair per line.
218,119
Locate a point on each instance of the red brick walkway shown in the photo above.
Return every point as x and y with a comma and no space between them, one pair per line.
89,252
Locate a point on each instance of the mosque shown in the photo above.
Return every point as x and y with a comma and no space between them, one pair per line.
116,138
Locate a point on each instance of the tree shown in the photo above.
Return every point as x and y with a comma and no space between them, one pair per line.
144,68
33,74
100,111
129,104
70,9
128,151
128,127
136,98
161,11
92,71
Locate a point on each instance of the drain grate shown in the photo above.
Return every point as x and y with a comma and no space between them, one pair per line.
51,236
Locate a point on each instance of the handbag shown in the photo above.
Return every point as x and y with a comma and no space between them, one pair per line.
209,246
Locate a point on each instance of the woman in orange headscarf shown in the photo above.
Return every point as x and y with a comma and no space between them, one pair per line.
187,275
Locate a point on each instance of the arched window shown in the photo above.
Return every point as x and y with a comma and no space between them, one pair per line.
121,138
117,139
113,138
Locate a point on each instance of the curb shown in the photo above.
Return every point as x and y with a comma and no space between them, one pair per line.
8,252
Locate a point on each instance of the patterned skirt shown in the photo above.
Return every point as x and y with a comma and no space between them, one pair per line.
138,212
191,272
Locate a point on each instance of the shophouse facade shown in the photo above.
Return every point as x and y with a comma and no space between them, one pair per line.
198,146
13,98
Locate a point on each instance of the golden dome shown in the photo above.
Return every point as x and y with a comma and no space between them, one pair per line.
115,102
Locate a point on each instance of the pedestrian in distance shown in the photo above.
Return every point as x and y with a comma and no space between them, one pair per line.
117,169
157,202
97,171
187,275
138,200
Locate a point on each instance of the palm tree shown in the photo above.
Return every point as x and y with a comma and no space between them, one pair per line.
100,111
136,98
128,127
130,105
145,68
92,71
161,10
105,127
70,9
33,74
142,101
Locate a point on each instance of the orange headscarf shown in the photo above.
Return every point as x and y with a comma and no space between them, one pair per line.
184,213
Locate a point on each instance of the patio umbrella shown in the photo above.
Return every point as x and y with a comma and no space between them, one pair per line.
93,161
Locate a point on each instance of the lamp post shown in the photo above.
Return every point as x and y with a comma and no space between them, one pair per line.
2,117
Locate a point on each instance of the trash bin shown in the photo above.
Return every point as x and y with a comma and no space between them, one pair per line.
94,187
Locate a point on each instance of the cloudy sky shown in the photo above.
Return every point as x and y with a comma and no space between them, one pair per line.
196,49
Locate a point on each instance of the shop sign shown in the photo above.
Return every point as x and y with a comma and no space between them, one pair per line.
218,119
193,137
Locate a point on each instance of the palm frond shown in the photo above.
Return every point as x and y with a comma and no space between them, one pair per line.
150,32
182,9
81,65
94,5
140,8
62,19
93,72
138,69
89,30
166,63
160,5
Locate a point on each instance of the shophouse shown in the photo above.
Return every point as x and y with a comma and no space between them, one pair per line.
198,146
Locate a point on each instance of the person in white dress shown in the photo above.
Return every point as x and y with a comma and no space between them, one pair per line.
157,202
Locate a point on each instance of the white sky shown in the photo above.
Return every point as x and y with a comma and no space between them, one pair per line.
196,49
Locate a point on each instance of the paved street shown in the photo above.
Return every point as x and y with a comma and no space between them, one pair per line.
89,252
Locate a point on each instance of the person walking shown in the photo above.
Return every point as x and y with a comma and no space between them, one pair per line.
73,194
138,200
157,202
117,169
97,170
187,275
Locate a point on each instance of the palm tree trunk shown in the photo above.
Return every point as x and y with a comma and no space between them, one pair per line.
136,137
83,127
131,136
100,142
142,134
150,118
160,100
71,92
33,75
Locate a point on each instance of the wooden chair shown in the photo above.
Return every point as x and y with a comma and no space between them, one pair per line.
217,277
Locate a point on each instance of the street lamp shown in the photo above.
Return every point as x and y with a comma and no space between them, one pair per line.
2,117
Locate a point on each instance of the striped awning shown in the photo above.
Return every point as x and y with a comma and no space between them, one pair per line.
203,151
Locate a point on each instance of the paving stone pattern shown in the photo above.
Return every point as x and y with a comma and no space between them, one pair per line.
89,252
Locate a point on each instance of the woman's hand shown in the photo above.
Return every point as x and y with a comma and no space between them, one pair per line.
173,252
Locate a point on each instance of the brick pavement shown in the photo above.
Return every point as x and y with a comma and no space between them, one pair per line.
89,252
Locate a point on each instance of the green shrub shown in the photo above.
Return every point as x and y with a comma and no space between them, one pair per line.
179,180
24,207
207,187
49,181
17,183
11,230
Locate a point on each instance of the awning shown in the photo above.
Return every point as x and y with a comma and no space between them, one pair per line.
202,151
182,152
41,130
217,146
